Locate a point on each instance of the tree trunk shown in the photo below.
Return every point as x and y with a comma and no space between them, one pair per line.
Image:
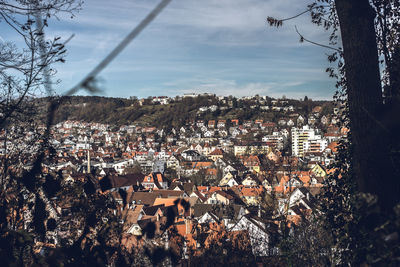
372,166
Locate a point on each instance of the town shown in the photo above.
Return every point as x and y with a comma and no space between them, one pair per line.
239,177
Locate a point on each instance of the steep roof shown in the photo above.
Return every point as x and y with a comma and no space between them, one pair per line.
144,198
216,152
117,181
219,211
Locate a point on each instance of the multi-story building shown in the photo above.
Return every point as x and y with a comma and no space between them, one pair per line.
306,139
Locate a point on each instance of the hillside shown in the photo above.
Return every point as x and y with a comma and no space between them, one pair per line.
178,111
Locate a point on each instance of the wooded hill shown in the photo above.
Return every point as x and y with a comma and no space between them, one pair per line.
179,111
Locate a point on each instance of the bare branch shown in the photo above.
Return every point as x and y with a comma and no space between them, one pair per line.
302,39
279,22
85,83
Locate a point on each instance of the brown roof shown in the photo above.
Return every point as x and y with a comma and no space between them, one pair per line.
132,216
124,180
225,195
217,152
144,198
168,193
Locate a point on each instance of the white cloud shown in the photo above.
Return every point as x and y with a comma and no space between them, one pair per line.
189,39
225,87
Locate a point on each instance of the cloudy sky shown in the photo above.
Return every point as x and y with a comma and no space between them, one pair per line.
218,46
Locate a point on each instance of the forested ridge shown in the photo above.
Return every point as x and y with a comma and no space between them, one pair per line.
178,112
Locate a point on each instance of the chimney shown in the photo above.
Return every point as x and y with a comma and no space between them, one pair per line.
187,224
88,161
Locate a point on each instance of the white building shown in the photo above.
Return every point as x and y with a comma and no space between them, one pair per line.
306,139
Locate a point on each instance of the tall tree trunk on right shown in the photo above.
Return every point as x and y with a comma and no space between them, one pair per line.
372,166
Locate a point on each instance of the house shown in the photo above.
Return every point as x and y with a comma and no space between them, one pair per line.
282,122
228,214
220,197
300,120
155,180
172,162
235,122
293,182
200,123
222,133
149,198
213,108
200,196
318,170
274,156
208,217
234,131
122,182
133,215
311,119
208,134
228,180
107,171
153,212
251,195
250,181
216,154
325,120
197,147
317,109
120,166
221,123
268,125
70,178
260,234
191,155
254,148
229,168
159,166
252,162
211,124
301,197
247,124
187,187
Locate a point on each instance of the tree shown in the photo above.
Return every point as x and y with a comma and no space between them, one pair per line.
373,167
366,182
308,245
91,231
27,193
365,31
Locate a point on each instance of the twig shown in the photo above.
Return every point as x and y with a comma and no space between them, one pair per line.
302,39
132,35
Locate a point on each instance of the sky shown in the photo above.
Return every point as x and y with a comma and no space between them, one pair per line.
223,47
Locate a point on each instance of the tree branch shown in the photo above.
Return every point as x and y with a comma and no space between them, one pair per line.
302,39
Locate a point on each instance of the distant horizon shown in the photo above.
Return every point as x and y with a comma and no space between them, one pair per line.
198,94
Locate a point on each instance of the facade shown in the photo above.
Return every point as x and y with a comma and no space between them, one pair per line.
305,140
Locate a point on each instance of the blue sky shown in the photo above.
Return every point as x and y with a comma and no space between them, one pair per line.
217,46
